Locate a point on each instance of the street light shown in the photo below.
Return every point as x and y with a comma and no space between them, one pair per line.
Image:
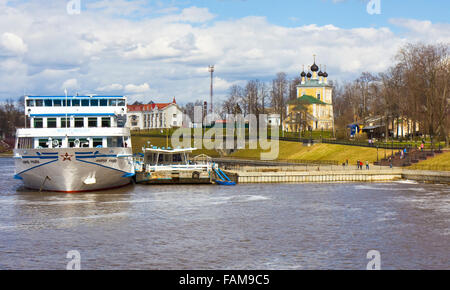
211,70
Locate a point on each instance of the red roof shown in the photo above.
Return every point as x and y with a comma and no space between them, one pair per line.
149,107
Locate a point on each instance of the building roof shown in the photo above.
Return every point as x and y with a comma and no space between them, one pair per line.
149,107
306,99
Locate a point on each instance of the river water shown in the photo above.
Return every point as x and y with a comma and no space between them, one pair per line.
275,226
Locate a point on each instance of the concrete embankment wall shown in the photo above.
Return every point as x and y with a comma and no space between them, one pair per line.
427,176
318,176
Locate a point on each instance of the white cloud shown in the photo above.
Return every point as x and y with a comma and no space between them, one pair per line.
137,89
70,84
98,51
12,44
110,88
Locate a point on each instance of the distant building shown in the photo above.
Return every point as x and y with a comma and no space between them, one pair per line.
154,116
313,107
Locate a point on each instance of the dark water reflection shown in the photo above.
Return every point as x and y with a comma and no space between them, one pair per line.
304,226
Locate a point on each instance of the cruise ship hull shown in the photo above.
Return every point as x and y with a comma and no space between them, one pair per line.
74,169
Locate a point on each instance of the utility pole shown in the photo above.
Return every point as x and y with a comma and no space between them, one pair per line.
211,70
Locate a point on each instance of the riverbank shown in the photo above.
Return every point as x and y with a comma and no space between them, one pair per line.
259,175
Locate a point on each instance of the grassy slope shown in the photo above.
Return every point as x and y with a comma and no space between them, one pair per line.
294,150
439,162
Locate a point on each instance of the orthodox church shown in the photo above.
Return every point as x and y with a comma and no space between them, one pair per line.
313,107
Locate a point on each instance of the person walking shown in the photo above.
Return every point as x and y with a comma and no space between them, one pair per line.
367,164
357,164
421,147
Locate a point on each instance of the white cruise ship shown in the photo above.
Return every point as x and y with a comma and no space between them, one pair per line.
74,144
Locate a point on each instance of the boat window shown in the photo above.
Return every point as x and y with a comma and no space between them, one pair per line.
43,143
114,142
38,123
85,103
25,143
48,103
97,142
39,103
121,102
79,122
112,102
57,103
51,122
92,122
57,142
63,122
177,158
78,142
103,103
106,122
94,103
30,103
75,103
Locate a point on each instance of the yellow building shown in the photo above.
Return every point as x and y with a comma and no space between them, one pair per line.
313,107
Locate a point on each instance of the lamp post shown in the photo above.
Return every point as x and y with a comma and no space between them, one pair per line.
211,70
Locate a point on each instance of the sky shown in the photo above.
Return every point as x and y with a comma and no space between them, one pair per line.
157,50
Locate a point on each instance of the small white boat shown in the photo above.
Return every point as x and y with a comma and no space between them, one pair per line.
172,166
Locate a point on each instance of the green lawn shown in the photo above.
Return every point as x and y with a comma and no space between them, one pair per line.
296,151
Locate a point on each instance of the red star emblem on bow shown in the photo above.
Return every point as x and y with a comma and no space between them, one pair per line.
67,156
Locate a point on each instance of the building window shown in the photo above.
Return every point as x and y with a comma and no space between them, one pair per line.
48,103
103,103
66,103
85,103
174,115
38,123
79,122
112,102
106,122
121,102
318,96
51,123
75,103
94,103
57,103
92,122
30,103
39,103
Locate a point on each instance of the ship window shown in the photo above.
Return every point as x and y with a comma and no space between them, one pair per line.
113,102
97,142
57,103
25,143
94,103
57,142
39,103
30,103
38,123
79,122
48,103
114,142
63,122
85,103
51,123
121,102
103,103
92,122
75,103
106,122
43,143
